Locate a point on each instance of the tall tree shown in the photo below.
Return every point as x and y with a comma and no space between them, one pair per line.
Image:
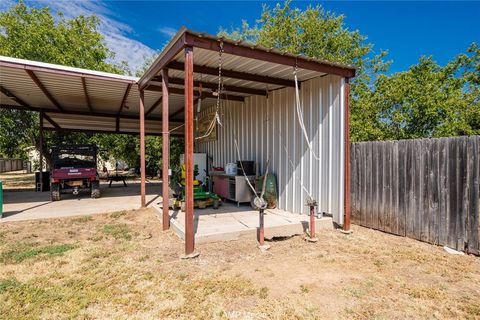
425,101
428,100
321,34
35,34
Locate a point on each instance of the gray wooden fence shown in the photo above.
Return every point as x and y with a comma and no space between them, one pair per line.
426,189
7,165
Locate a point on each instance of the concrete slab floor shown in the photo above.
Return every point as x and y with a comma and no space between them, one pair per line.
27,205
230,222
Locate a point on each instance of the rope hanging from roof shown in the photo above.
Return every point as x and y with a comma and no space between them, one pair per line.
298,107
216,118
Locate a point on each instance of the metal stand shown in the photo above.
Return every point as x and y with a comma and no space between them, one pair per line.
312,204
261,205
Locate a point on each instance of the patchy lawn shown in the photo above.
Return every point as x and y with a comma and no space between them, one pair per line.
122,266
18,180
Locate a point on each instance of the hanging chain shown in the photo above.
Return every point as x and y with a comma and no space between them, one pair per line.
216,119
220,82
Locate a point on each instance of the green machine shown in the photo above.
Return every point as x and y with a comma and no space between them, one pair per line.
201,198
268,184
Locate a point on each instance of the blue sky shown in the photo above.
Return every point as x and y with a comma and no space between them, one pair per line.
406,29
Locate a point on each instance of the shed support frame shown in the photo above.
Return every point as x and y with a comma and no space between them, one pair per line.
142,149
346,176
189,232
40,142
165,151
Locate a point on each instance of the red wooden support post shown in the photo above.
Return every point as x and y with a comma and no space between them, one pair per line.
142,148
40,187
261,229
346,182
312,222
189,234
165,150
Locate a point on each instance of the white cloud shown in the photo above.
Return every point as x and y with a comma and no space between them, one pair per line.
167,31
117,34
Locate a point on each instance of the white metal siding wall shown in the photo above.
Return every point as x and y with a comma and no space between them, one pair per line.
267,127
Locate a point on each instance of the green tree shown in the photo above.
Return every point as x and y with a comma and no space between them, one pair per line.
429,100
35,34
321,34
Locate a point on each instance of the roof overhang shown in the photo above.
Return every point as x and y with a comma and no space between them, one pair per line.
87,100
187,38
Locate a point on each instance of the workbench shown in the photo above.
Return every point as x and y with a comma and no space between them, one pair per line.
232,187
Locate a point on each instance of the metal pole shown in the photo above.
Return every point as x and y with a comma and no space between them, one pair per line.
311,203
142,149
40,187
165,151
261,229
312,222
346,182
189,232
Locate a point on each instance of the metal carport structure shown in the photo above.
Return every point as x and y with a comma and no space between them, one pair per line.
190,62
74,99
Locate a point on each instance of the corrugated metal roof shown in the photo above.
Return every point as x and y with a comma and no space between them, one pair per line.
77,91
236,62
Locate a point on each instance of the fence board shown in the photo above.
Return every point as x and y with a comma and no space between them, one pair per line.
426,189
7,165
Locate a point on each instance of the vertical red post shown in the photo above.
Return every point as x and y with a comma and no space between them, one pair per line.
40,141
346,182
165,150
261,229
189,233
312,222
142,149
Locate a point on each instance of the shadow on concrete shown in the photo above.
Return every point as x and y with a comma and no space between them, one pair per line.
106,192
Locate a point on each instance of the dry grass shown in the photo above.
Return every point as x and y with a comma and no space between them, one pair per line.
122,266
17,180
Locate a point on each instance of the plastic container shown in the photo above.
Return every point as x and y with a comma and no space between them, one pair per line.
231,169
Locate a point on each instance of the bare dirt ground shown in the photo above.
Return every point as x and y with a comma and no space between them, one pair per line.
17,180
123,266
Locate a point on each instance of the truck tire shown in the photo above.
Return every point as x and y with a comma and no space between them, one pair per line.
55,191
95,189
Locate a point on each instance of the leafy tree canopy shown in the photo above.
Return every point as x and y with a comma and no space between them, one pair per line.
425,101
429,100
35,34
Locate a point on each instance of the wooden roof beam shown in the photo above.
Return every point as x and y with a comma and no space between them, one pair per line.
175,65
196,93
263,55
154,105
71,112
172,49
214,86
53,123
124,99
40,85
22,103
85,92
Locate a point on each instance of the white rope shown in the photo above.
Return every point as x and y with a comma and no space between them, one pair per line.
293,167
176,127
216,118
243,171
210,128
300,116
